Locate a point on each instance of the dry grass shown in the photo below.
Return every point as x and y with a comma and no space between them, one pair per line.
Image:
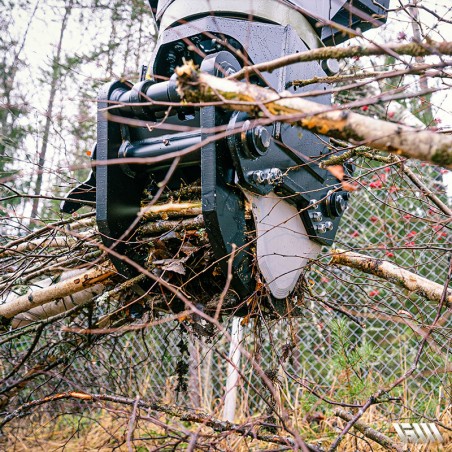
375,419
106,430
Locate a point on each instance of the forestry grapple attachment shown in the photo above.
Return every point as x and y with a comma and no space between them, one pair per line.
272,167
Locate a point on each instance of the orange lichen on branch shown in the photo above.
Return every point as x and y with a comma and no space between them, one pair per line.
324,125
338,123
80,395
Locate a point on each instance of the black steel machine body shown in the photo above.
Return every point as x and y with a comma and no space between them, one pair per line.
257,156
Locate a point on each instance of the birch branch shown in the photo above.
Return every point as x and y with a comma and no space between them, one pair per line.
195,86
77,287
70,223
391,272
340,53
53,308
424,189
52,242
62,289
159,227
370,433
416,70
172,210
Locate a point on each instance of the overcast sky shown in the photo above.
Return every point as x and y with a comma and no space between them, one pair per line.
44,32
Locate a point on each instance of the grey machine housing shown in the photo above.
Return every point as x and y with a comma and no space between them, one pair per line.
352,14
221,36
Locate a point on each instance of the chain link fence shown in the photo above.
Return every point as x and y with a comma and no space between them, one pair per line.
354,335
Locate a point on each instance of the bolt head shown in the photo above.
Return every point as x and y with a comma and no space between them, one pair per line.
321,228
316,216
330,66
263,136
258,177
261,139
341,204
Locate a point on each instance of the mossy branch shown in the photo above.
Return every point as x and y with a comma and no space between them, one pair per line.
426,145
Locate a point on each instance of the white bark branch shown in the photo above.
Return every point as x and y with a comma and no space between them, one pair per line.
391,272
57,307
62,289
346,125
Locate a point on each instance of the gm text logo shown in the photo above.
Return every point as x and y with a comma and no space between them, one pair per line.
418,433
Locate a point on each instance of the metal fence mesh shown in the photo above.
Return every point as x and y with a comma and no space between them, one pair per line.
390,223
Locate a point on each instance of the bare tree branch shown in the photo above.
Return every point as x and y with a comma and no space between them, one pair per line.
62,289
369,432
398,139
338,53
391,272
185,414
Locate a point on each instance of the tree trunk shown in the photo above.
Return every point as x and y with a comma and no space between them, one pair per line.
48,122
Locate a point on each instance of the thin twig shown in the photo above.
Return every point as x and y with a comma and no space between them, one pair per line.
131,428
339,53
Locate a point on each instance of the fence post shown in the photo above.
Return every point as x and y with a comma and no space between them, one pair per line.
230,398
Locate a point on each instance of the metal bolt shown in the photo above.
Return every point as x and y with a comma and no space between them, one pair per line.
179,47
330,66
258,177
313,204
316,216
329,225
171,57
262,138
275,175
267,176
320,228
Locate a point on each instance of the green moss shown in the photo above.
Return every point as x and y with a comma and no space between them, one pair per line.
443,156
